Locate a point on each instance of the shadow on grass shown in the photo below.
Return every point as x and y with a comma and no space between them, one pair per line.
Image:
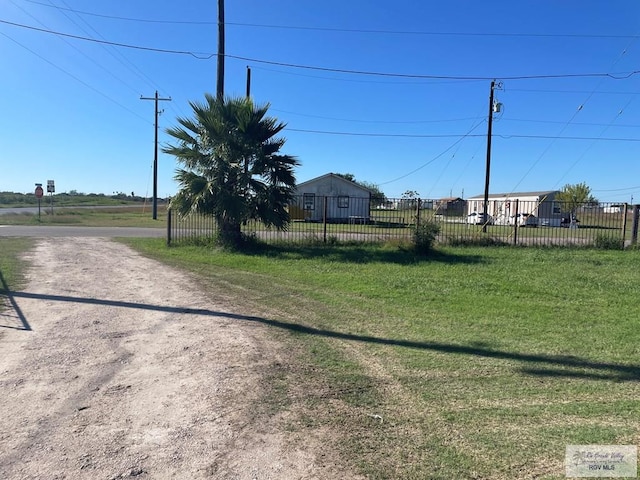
361,254
24,324
555,365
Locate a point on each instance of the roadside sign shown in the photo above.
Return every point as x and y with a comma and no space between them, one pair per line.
51,188
39,191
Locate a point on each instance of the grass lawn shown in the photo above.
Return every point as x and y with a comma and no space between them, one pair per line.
11,276
474,363
11,265
127,216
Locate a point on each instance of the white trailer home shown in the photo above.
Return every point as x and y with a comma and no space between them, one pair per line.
503,205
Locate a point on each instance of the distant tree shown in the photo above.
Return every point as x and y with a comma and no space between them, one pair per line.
409,199
232,168
347,176
377,196
576,195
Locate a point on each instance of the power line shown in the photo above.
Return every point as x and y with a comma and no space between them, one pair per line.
575,114
619,189
564,92
436,157
128,19
343,30
448,135
76,78
588,124
404,122
91,59
115,53
199,56
615,76
358,80
426,33
207,56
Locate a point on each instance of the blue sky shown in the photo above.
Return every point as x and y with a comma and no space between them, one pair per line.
71,109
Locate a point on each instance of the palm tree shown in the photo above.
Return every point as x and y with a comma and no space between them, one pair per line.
232,168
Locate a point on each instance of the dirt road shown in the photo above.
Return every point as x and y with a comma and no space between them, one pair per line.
115,366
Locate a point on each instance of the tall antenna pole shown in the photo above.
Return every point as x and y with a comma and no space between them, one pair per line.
155,153
220,82
486,181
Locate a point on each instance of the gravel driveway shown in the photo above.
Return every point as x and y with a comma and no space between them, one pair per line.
116,366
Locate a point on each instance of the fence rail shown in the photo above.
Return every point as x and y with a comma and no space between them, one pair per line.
341,219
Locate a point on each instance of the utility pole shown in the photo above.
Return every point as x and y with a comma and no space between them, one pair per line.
155,155
248,82
486,181
220,80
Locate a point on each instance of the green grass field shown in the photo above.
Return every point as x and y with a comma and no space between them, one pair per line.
12,269
123,216
474,363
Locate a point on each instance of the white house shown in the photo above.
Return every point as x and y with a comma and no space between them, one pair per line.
540,204
333,198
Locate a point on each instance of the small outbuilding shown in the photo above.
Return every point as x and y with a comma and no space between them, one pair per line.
450,206
333,198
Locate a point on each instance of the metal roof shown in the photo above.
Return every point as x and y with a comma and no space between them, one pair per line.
514,195
333,175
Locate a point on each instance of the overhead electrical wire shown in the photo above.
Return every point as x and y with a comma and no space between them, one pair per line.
619,189
602,132
335,29
78,79
436,157
414,81
570,121
374,121
446,166
587,124
118,56
207,56
564,92
70,44
452,135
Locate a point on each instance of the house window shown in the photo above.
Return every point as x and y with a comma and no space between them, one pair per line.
309,201
343,201
557,208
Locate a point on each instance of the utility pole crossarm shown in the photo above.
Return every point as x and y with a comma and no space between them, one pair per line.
156,99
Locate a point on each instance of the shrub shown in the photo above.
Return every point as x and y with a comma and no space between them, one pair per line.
608,242
424,236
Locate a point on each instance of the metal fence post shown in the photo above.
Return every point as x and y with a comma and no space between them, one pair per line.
324,220
624,223
634,227
515,223
168,226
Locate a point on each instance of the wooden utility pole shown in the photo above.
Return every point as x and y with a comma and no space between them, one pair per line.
155,155
220,82
486,181
248,82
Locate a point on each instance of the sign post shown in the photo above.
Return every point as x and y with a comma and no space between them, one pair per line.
39,193
51,188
